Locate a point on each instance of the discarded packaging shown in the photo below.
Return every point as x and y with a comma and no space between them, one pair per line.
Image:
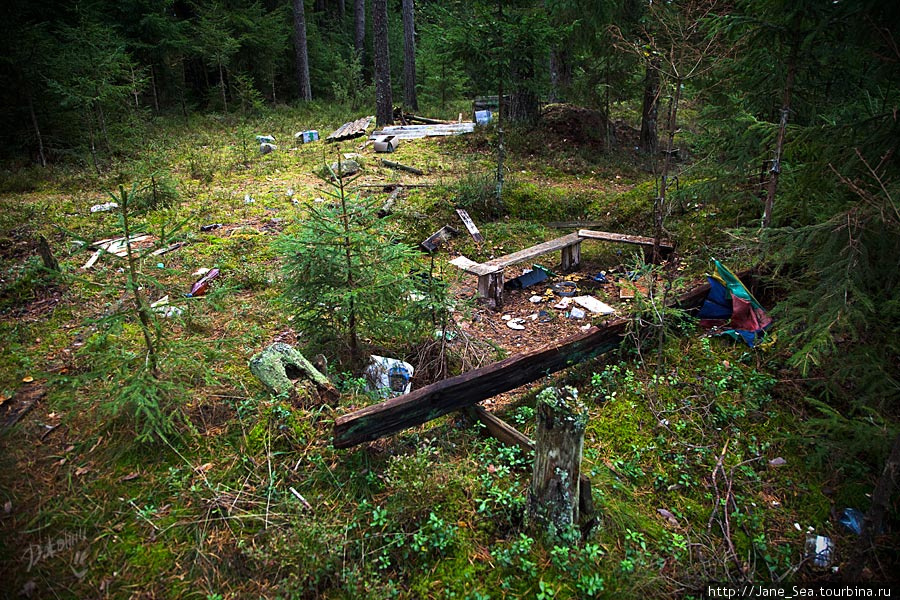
104,207
594,305
305,137
266,148
565,289
563,304
162,307
483,117
265,139
386,143
536,299
576,313
248,199
526,279
517,324
820,549
389,376
852,519
201,286
601,277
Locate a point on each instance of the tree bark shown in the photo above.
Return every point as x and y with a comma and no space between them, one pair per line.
37,131
775,171
559,443
384,109
650,110
359,38
302,56
409,55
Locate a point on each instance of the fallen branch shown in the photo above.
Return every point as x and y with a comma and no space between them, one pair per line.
400,167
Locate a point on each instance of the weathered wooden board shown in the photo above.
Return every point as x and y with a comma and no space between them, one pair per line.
606,236
455,393
470,225
437,238
500,429
534,251
350,130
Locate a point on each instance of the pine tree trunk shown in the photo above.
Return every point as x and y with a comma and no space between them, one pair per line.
222,86
659,206
153,88
775,171
384,109
650,110
300,51
409,56
359,38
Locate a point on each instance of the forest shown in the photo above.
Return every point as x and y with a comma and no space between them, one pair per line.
442,299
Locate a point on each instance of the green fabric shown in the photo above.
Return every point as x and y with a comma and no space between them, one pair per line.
730,280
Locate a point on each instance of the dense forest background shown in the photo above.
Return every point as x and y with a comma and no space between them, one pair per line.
786,109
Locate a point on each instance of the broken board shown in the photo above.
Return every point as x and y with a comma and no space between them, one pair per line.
470,225
350,130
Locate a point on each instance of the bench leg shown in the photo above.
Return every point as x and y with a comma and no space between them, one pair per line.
571,257
491,286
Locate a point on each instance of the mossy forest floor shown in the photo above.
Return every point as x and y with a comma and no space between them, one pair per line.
682,447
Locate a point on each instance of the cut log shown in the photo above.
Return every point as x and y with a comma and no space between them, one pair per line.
388,206
425,120
553,499
395,165
455,393
470,225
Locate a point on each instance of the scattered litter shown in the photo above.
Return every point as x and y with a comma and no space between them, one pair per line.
162,307
797,527
527,279
545,317
345,168
444,334
483,117
585,327
506,317
386,143
107,206
389,376
266,148
601,277
27,379
117,246
563,304
730,304
265,139
594,305
160,266
777,462
626,293
820,549
201,286
210,227
248,199
536,299
168,248
576,313
517,324
852,519
305,137
566,289
201,271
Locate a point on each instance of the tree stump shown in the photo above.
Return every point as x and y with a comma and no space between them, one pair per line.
559,441
278,364
47,257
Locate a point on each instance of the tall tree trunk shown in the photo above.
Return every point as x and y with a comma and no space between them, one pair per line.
650,110
359,37
153,89
300,51
222,86
775,171
409,55
342,11
37,131
384,109
501,151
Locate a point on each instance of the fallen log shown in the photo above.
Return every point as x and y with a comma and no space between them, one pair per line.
388,206
401,167
455,393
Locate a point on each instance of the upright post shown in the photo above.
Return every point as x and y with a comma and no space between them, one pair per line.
559,442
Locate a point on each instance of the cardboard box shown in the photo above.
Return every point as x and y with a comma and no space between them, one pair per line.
386,143
305,137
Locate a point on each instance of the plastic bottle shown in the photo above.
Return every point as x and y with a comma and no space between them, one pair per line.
201,286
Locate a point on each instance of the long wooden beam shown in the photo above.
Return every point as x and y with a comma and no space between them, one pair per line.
443,397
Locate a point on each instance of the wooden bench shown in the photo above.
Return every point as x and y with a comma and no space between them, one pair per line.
490,273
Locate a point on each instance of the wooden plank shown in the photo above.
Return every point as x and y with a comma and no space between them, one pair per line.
623,238
439,237
529,253
470,225
575,224
500,429
455,393
470,266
